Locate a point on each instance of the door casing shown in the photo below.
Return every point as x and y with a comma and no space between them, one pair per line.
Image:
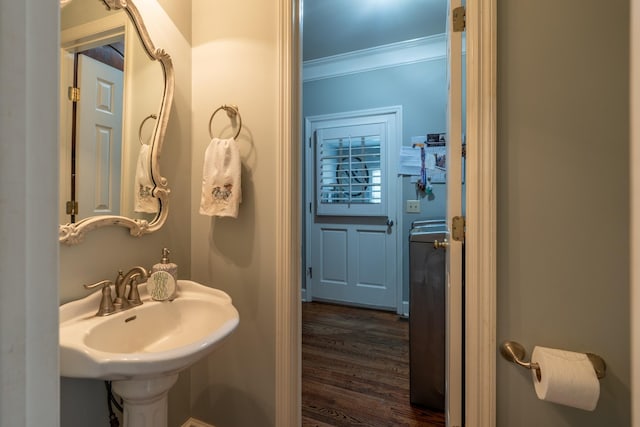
481,204
454,347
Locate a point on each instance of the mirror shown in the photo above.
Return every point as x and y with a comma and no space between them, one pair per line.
116,91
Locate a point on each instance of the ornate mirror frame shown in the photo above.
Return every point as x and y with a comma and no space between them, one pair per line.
74,233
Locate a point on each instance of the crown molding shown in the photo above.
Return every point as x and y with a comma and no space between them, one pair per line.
423,49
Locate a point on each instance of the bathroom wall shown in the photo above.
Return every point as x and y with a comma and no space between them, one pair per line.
563,210
235,62
106,250
421,90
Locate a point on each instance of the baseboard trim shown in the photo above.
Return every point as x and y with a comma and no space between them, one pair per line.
192,422
405,309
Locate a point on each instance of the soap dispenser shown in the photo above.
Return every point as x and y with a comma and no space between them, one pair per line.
164,278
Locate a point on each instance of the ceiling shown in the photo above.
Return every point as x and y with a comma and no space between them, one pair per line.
331,27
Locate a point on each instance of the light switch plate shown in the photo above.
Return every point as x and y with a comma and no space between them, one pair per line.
413,206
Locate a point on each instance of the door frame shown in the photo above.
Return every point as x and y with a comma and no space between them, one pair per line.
73,39
635,213
481,203
394,188
454,258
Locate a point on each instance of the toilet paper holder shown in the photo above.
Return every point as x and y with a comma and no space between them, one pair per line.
515,352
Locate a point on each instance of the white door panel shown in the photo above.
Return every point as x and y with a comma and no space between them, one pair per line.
371,262
333,256
99,139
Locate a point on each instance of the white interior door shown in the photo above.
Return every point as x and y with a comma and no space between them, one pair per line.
454,258
352,248
99,138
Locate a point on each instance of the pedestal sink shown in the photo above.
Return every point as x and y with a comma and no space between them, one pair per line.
142,349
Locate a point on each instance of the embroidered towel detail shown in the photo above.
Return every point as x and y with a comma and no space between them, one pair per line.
221,189
143,184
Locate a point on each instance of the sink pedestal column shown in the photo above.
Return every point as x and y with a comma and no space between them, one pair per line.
145,400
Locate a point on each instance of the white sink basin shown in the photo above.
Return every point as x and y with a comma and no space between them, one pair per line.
151,340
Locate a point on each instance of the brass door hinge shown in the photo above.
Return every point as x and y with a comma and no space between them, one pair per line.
74,94
459,19
457,228
72,207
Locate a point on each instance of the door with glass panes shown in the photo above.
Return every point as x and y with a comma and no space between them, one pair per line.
352,248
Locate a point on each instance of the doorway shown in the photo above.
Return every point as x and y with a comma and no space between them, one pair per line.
396,64
480,264
408,72
92,115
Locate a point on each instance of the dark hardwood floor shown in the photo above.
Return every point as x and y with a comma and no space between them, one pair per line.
355,369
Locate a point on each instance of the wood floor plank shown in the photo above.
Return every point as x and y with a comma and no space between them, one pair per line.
355,369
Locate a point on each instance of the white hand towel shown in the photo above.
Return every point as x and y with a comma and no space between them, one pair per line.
144,201
221,190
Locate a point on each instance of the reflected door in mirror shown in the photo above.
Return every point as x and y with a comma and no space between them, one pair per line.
98,145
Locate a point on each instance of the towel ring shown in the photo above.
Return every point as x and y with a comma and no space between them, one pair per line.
232,111
150,116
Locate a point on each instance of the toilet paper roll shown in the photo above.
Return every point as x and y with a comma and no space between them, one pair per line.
568,378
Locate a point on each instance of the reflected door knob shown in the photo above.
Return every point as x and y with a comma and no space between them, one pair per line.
444,244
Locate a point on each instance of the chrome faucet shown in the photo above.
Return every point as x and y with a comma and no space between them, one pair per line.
121,302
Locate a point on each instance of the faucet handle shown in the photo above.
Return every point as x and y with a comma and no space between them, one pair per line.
119,283
120,301
101,284
134,295
106,303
